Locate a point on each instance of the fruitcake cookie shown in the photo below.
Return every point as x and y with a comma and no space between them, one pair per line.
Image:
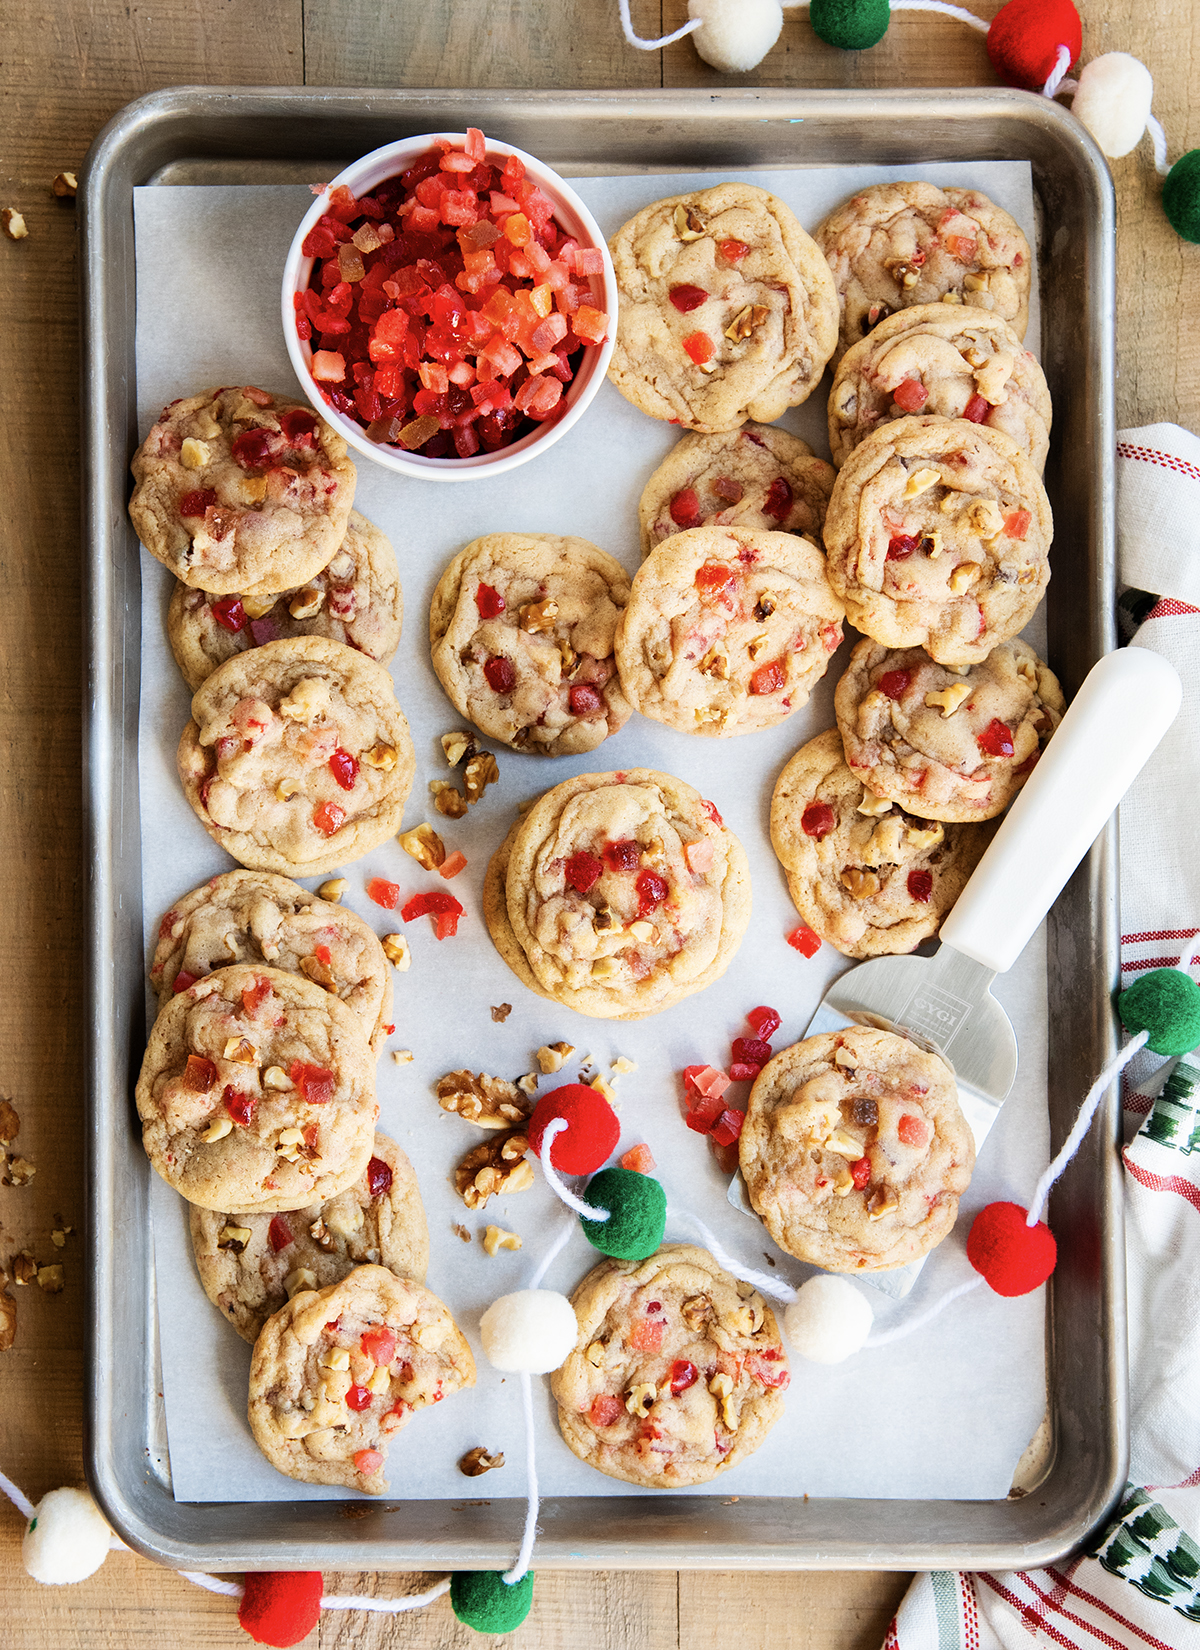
866,876
757,476
257,1091
337,1371
933,360
242,491
938,536
678,1373
297,758
355,600
941,744
618,894
895,245
251,1265
855,1151
728,310
521,627
257,917
728,630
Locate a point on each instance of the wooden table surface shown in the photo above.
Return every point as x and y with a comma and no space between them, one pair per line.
64,69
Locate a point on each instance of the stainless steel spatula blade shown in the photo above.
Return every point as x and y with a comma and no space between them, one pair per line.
944,1002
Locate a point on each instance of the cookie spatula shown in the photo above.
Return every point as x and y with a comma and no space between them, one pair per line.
944,1002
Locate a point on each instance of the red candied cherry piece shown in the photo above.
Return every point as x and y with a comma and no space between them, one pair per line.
384,893
703,1112
500,674
279,1233
344,768
254,996
714,579
647,1334
1013,1257
367,1461
728,1127
652,890
700,347
198,502
592,1131
183,979
685,508
768,1369
489,602
894,683
710,808
639,1159
379,1344
323,955
768,678
778,501
1016,524
687,298
584,699
766,1022
316,1083
817,820
962,247
804,940
359,1398
199,1074
920,885
861,1171
755,1049
976,409
606,1409
742,1071
252,449
996,739
732,251
624,855
329,818
583,871
444,908
683,1375
911,395
280,1607
229,613
379,1177
241,1107
300,427
902,545
913,1130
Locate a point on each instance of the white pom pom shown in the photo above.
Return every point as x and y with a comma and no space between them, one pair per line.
736,34
1113,101
829,1320
67,1539
531,1332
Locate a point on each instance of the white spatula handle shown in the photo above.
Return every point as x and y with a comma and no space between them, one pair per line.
1127,702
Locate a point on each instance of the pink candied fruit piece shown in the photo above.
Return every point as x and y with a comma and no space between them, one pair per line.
769,1369
379,1177
589,324
817,820
652,890
367,1461
1016,524
241,1107
766,1022
279,1234
861,1171
698,855
622,855
725,487
640,1159
704,1113
647,1334
804,940
606,1409
197,502
687,298
359,1398
913,1130
732,251
706,1081
911,395
683,1375
976,409
452,865
902,545
778,501
379,1344
229,613
384,893
710,808
254,996
182,980
582,871
199,1074
728,1127
700,347
743,1071
768,678
329,818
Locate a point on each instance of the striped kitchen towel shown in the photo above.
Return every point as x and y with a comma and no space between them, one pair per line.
1136,1586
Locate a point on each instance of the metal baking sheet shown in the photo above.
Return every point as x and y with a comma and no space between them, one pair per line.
201,135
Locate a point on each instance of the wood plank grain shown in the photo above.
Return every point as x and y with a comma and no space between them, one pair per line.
850,1609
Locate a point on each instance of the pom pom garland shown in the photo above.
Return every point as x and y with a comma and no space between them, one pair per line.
851,25
530,1332
482,1599
280,1607
1012,1257
67,1538
735,35
637,1214
1181,196
592,1131
1024,37
828,1321
1164,1003
1113,102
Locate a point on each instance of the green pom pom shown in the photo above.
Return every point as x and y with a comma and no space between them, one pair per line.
853,25
482,1599
1181,200
1166,1003
637,1208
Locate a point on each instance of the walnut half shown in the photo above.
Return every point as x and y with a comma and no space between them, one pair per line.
494,1169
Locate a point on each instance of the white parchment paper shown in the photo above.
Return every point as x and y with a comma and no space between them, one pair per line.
943,1414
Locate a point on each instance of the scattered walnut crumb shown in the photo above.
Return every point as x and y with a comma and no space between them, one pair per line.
602,1087
477,1461
50,1279
402,1056
456,745
19,1172
65,186
10,1123
732,1502
333,889
59,1235
529,1083
621,1067
8,1318
494,1169
424,845
448,799
491,1102
24,1268
552,1057
496,1238
460,1231
397,951
501,1012
480,772
13,224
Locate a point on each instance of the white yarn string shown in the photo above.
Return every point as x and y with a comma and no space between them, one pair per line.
386,1606
1189,951
1062,62
913,1324
653,45
18,1497
776,1288
941,6
531,1488
1082,1124
212,1584
562,1238
555,1127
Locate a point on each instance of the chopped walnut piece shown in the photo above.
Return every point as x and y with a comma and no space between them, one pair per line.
301,1278
333,889
194,455
321,1235
319,973
8,1320
477,1461
496,1238
234,1238
538,616
858,883
552,1057
480,772
381,757
306,603
20,1172
529,1083
621,1066
397,952
276,1078
10,1123
24,1268
456,745
492,1102
424,845
448,799
595,1354
494,1169
873,805
746,321
640,1398
402,1056
13,224
50,1279
696,1311
689,225
64,186
460,1231
600,1084
501,1012
286,789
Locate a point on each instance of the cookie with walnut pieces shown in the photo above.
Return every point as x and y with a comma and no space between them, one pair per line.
521,628
338,1371
678,1373
728,630
251,1265
946,744
728,310
855,1151
618,894
895,245
869,877
297,758
240,490
257,1091
938,536
356,599
755,477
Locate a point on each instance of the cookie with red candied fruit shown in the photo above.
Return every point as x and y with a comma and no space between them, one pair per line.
728,310
865,874
896,245
946,744
257,1091
251,1265
618,894
757,476
238,490
938,536
678,1373
338,1371
728,630
521,630
356,599
297,758
855,1151
945,362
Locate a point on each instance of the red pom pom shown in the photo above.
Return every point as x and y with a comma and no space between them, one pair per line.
1024,38
592,1133
1013,1258
280,1607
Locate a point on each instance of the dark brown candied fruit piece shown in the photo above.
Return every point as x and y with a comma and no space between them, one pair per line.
865,1111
